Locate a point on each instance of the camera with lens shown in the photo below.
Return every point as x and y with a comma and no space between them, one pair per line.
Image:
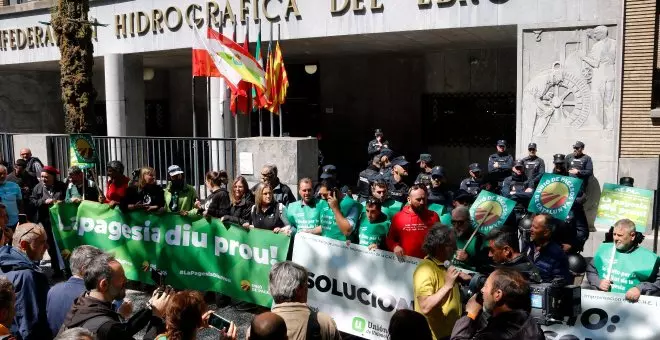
551,303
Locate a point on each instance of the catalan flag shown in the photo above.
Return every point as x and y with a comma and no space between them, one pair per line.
277,82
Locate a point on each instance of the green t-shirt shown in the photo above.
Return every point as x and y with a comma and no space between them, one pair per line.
628,270
439,209
473,249
329,226
373,233
303,217
389,208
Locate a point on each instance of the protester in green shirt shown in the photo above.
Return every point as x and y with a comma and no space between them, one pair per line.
179,196
374,226
634,270
303,215
389,206
475,253
338,214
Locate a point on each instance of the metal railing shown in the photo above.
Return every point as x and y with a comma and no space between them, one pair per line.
7,148
195,156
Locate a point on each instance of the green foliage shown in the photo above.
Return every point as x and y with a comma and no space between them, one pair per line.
73,32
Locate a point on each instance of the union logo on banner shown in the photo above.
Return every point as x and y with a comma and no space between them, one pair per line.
82,150
490,211
555,195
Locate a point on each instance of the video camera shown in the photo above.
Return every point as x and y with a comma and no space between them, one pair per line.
551,303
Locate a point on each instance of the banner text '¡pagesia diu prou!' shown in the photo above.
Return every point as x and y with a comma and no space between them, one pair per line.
386,303
178,236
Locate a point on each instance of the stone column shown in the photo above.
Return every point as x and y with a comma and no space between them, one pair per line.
221,127
115,100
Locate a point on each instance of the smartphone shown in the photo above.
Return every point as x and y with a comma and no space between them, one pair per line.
218,322
158,276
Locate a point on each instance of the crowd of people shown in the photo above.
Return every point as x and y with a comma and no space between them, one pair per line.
426,220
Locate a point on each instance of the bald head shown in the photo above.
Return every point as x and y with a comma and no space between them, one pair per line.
26,154
268,326
31,239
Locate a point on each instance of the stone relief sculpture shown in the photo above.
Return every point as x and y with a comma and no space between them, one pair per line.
578,90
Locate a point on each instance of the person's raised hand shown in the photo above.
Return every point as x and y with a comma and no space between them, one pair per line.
159,303
450,276
332,201
605,285
126,309
229,334
461,255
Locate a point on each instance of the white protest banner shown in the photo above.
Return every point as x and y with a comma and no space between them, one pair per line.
359,288
609,316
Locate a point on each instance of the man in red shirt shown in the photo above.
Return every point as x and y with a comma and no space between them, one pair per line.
410,225
117,183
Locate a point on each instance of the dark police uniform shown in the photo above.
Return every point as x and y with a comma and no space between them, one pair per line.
472,185
534,166
584,165
424,178
441,194
575,230
504,162
373,148
398,191
365,179
518,184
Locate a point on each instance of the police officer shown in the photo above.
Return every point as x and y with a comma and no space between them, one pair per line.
377,145
518,188
366,178
574,232
425,162
534,165
386,156
397,188
472,184
500,163
439,192
578,164
328,174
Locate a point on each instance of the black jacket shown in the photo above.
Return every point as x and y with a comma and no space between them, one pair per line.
217,204
440,195
240,211
99,317
273,217
151,194
39,196
31,287
513,325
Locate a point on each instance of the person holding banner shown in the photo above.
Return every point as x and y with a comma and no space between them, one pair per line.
374,226
574,232
410,226
117,183
242,201
48,192
146,194
624,266
470,252
217,204
506,298
79,188
436,292
303,214
179,197
266,213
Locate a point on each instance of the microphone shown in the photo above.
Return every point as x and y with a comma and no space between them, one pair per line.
446,264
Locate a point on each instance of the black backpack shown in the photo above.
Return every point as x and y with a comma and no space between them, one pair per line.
313,326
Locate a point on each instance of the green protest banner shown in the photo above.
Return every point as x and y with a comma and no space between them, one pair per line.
82,150
617,202
555,195
195,252
490,211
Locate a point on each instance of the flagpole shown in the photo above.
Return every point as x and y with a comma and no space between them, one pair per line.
272,124
261,121
279,107
235,97
194,115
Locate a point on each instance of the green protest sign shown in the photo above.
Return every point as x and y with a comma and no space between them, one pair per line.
195,252
490,211
82,150
555,195
617,202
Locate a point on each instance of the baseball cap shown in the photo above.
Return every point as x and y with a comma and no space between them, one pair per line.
401,161
501,142
174,170
578,144
425,157
518,163
531,146
328,171
438,171
559,158
387,152
474,167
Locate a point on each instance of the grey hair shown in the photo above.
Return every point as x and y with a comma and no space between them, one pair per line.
625,223
462,211
285,280
97,270
438,236
2,167
81,257
24,233
271,168
6,293
74,170
77,333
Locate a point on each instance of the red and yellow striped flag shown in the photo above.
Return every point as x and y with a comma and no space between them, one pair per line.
277,81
